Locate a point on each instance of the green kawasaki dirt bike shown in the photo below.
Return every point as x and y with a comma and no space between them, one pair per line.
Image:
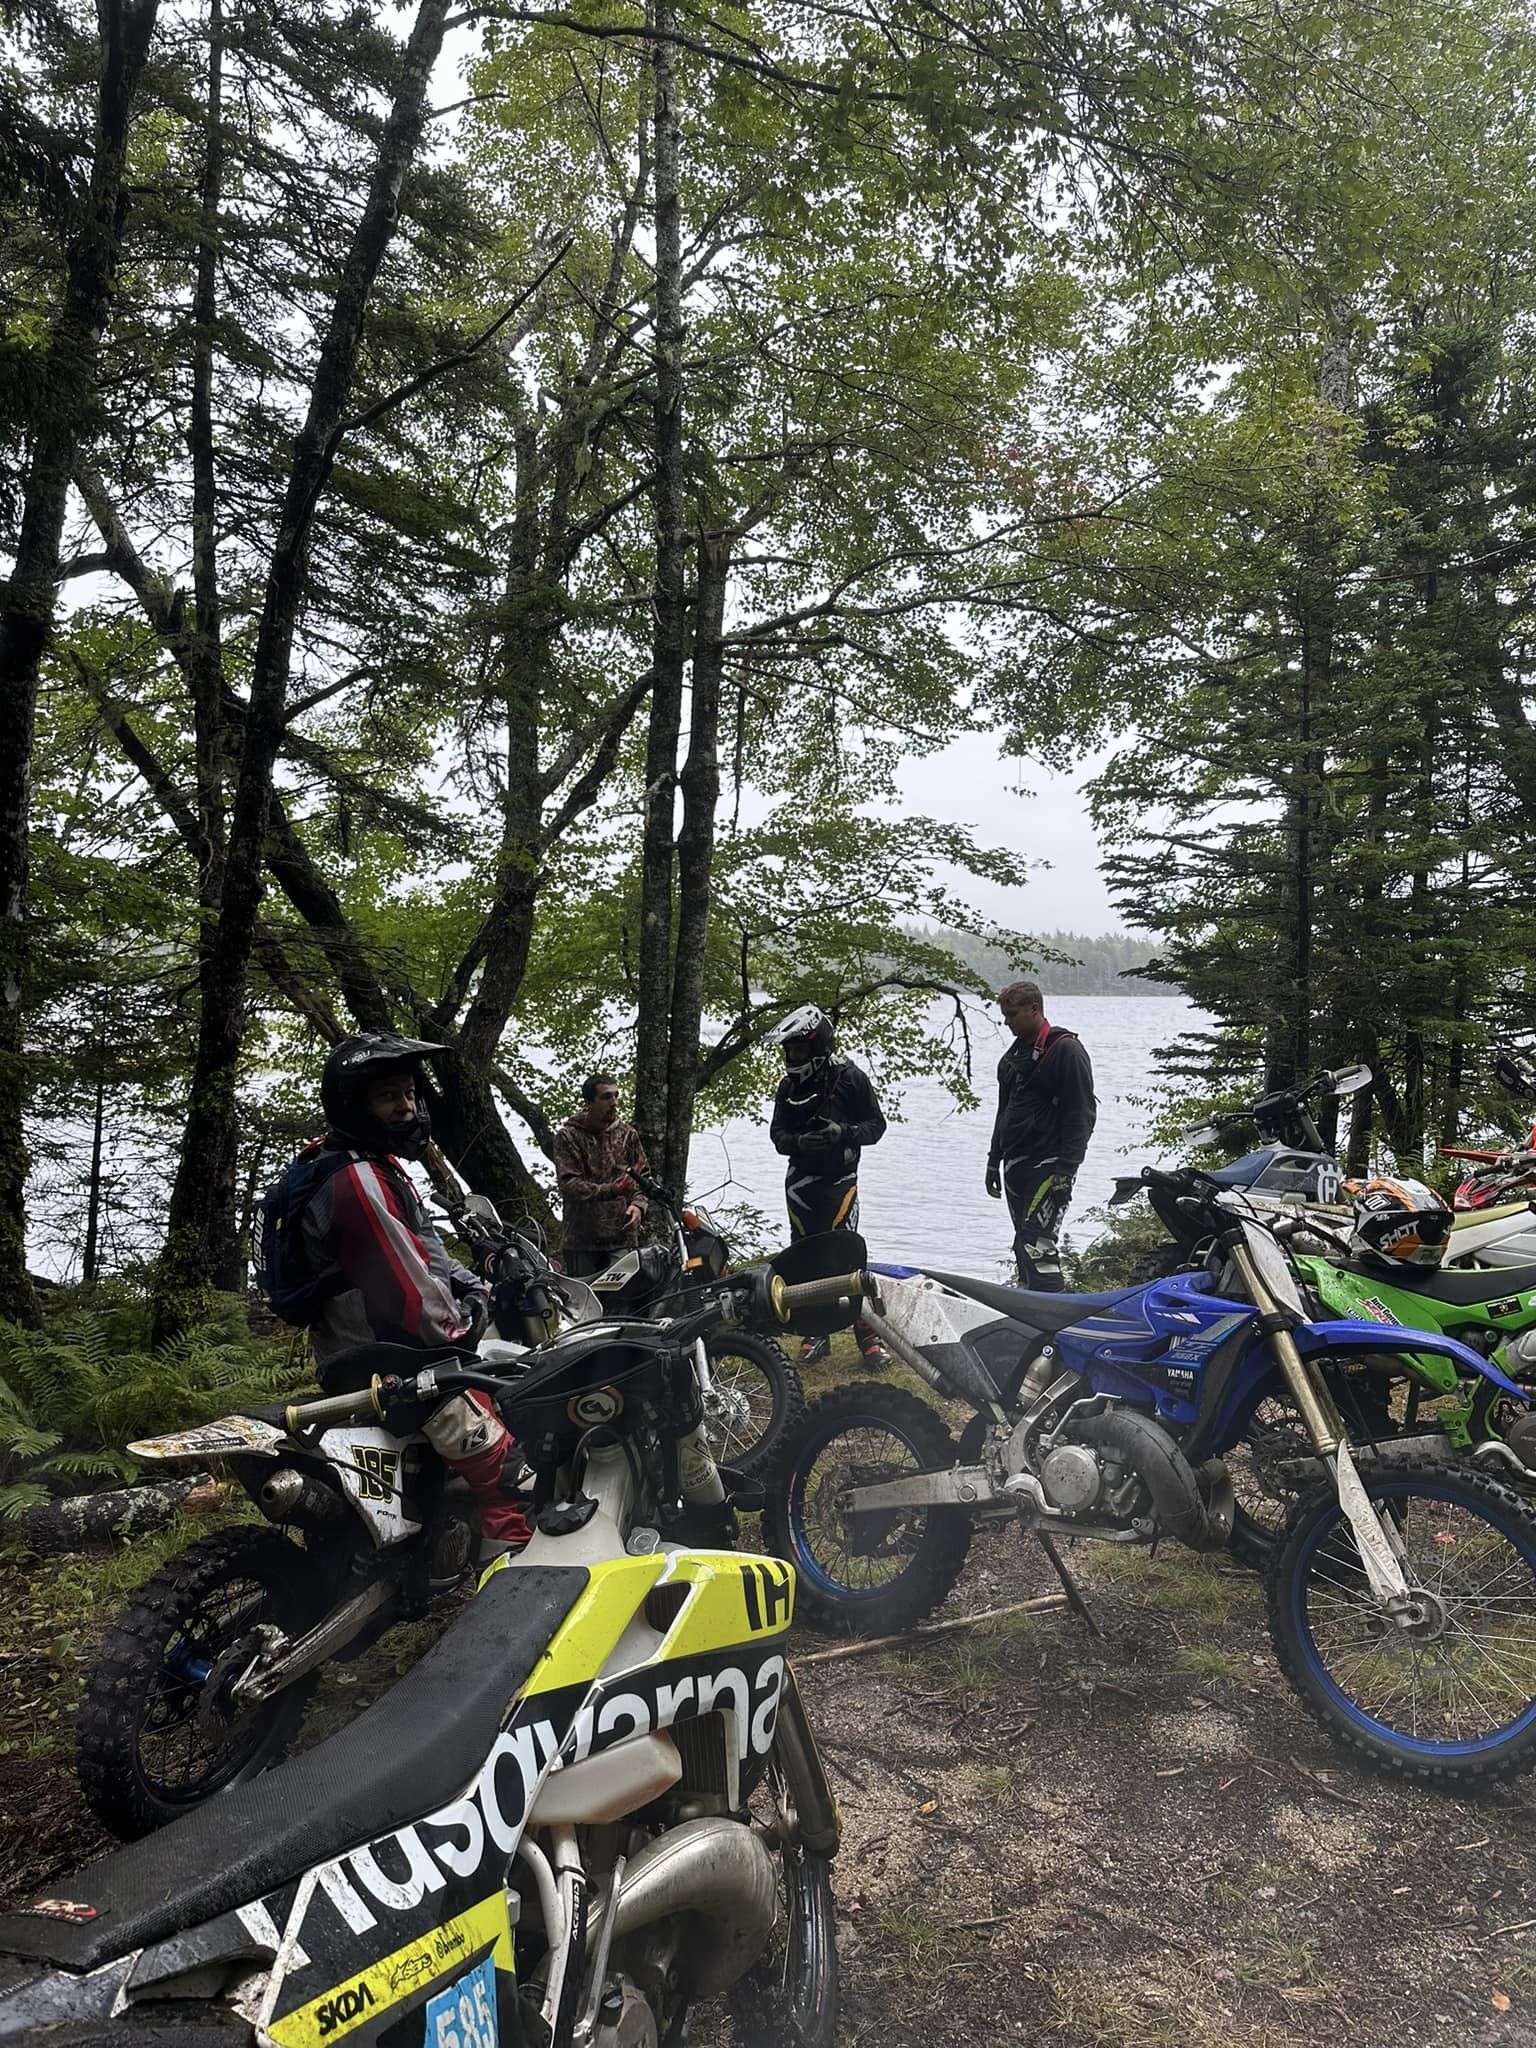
595,1803
1393,1399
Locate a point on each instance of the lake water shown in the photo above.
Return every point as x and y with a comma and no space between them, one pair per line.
920,1189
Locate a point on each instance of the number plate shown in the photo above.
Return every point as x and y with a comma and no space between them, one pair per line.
464,2016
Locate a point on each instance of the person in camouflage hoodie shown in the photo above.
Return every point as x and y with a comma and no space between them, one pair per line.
596,1159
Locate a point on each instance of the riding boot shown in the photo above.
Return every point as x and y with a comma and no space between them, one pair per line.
469,1437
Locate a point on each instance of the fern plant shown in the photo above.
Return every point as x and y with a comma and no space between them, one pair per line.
73,1394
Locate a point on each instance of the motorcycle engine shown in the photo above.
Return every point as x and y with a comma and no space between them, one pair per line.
1072,1477
625,2019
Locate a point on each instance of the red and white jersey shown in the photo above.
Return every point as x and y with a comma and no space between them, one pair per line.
366,1225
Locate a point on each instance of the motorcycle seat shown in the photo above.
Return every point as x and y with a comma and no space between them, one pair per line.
1043,1312
1455,1290
414,1752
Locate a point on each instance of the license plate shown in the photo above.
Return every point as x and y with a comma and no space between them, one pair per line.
464,2016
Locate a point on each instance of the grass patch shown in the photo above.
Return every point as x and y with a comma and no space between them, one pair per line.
918,1940
51,1618
1207,1664
994,1784
1099,2013
1178,1582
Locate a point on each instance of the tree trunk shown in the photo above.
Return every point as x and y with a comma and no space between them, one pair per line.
669,640
467,1125
202,1248
26,613
90,1257
1362,1109
696,856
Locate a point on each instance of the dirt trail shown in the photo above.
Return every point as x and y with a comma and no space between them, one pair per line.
1144,1839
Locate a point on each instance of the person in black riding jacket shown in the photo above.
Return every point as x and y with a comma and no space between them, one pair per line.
1046,1111
824,1114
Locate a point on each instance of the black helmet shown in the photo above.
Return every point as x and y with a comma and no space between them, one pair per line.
807,1036
349,1071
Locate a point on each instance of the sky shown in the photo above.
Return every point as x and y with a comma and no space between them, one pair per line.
1029,809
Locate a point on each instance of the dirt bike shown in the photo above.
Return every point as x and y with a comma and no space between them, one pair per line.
1402,1593
1397,1394
752,1393
595,1803
203,1678
1293,1174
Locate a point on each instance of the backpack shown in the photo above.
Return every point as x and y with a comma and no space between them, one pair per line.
293,1290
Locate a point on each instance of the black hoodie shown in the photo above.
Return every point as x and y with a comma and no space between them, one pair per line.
1046,1107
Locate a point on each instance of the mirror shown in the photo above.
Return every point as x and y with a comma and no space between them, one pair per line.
1350,1080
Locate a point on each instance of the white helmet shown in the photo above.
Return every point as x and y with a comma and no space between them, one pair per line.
807,1036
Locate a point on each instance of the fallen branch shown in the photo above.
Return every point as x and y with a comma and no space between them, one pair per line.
933,1628
1327,1791
82,1521
1514,1927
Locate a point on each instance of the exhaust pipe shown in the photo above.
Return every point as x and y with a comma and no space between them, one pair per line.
1166,1473
713,1867
1493,1450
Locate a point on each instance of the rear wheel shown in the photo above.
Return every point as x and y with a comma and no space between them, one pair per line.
870,1573
756,1396
1264,1484
157,1730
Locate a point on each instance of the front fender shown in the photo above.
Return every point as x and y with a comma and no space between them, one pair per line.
1312,1339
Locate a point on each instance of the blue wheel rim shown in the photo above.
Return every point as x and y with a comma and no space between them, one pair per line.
804,1559
1405,1741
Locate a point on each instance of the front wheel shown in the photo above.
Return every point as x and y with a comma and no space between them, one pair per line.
157,1730
788,1999
1451,1697
755,1396
865,1574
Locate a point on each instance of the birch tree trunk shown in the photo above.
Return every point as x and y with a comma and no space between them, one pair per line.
696,855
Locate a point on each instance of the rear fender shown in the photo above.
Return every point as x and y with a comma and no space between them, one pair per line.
232,1436
1345,1338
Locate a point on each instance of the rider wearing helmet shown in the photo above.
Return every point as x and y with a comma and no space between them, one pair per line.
387,1276
824,1114
1400,1223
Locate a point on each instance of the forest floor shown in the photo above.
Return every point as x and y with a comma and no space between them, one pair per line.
1116,1841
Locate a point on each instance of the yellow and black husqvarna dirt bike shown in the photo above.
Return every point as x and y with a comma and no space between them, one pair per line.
596,1803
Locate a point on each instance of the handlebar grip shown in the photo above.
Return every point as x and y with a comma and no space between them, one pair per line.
818,1293
362,1406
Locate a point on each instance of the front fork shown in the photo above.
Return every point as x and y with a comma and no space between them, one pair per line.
1381,1547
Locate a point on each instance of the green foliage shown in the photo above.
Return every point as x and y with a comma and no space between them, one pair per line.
76,1392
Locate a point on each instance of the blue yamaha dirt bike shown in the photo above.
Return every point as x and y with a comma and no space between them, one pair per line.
1402,1594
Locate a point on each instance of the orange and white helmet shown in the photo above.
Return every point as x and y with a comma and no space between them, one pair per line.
1400,1223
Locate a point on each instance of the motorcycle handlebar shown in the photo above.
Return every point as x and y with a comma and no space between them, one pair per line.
818,1293
373,1402
363,1405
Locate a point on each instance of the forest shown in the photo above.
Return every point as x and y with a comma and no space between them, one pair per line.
489,500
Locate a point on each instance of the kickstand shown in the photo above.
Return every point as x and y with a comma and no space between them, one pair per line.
1069,1585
